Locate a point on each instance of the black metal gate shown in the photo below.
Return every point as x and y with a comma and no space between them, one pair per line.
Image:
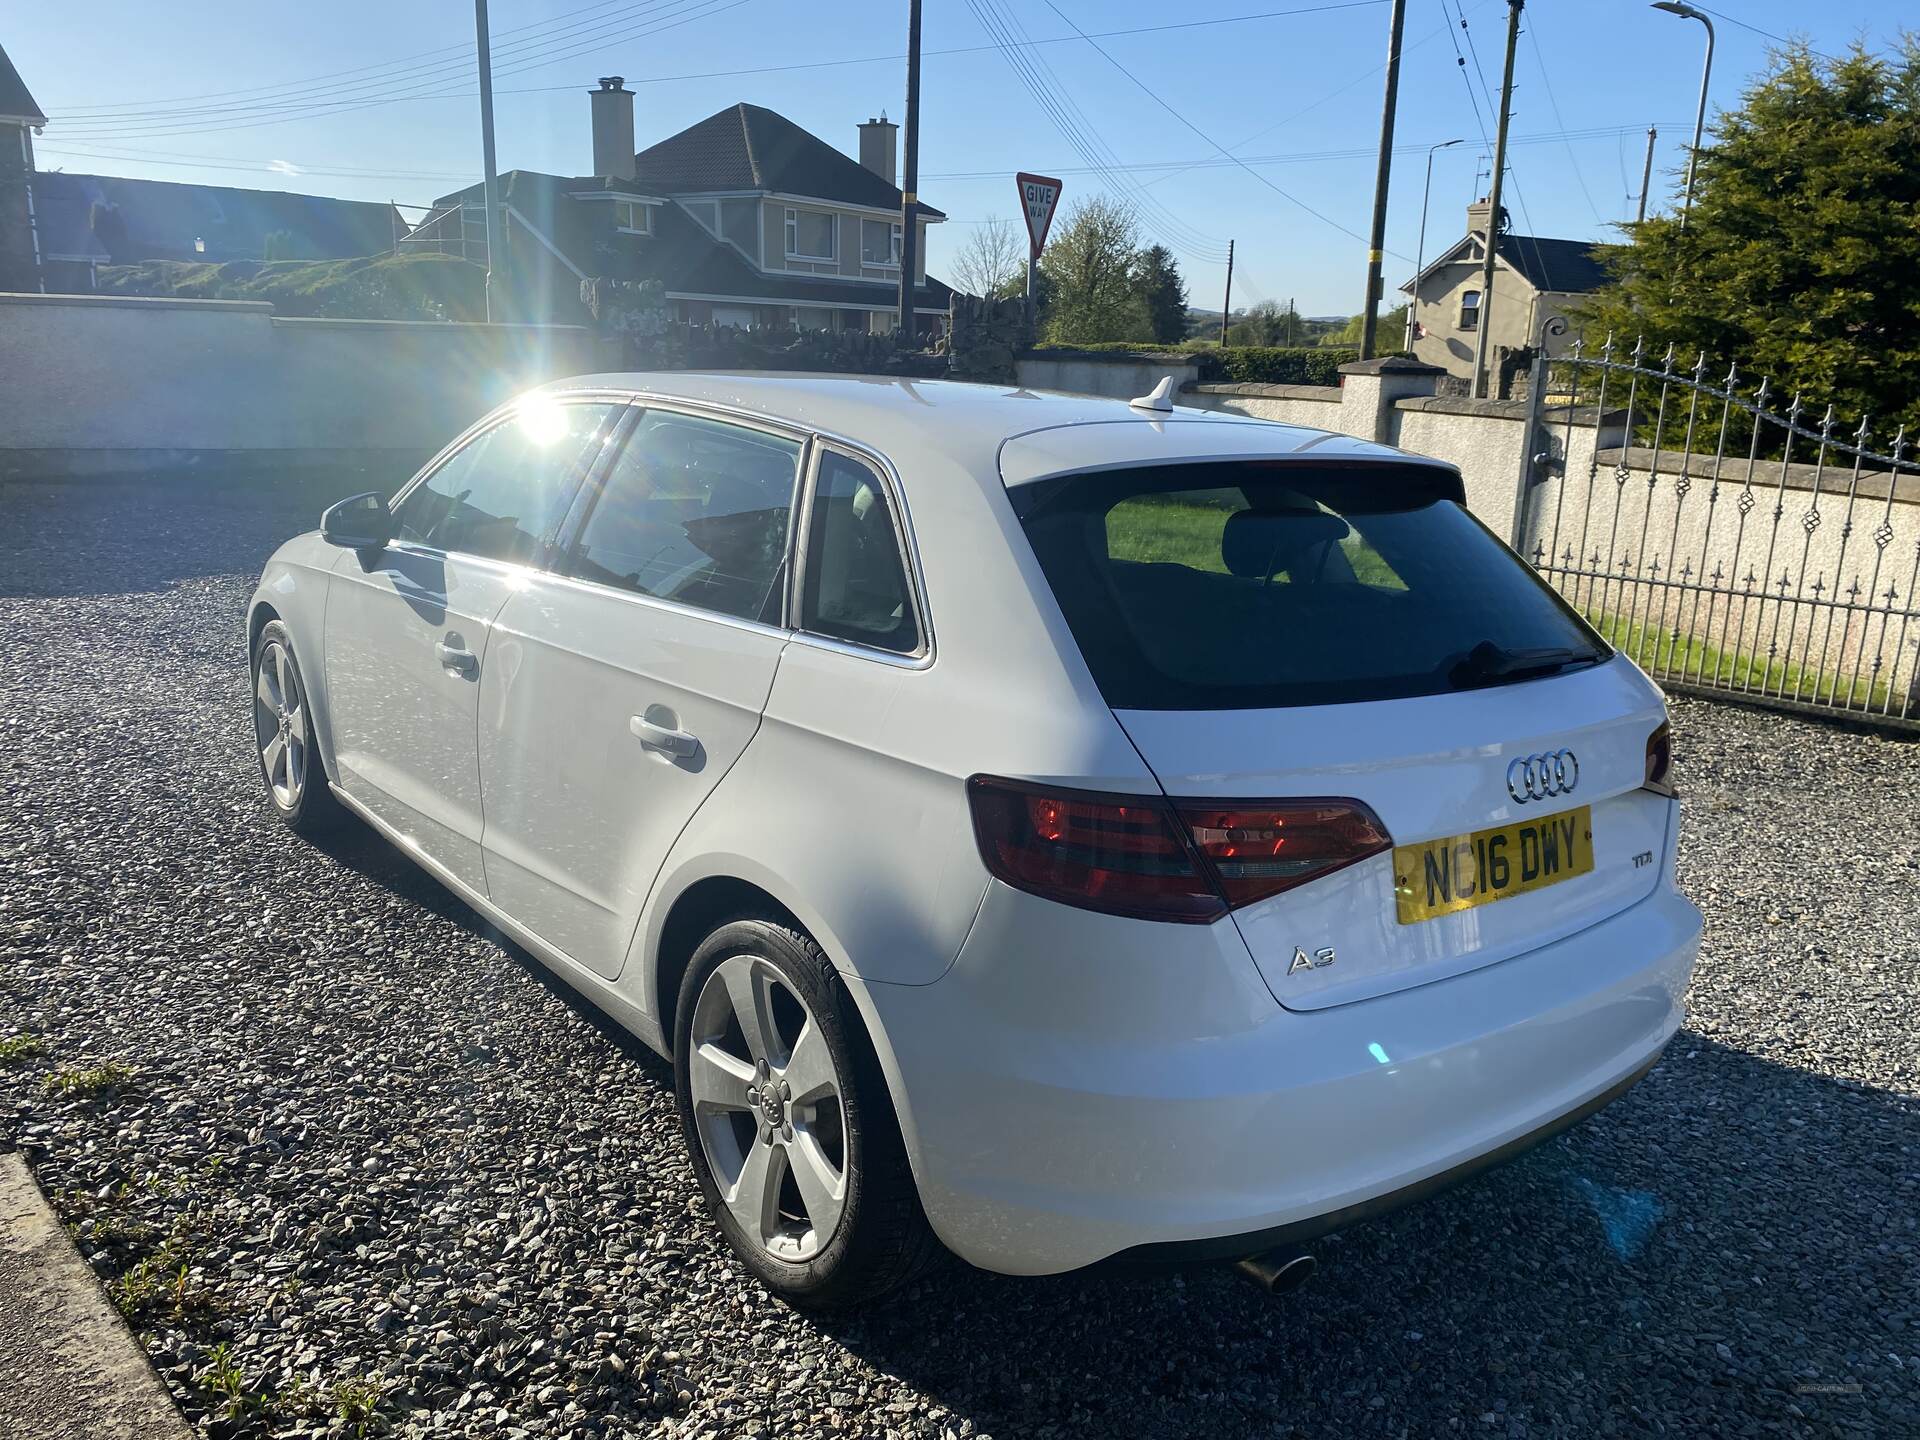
1729,548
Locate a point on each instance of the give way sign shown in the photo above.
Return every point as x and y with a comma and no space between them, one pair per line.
1039,194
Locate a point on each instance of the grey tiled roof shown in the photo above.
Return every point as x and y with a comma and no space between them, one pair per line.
15,99
748,147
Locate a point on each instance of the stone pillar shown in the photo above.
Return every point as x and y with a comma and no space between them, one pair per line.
1372,386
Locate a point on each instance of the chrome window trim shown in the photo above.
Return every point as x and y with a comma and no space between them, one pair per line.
907,548
639,403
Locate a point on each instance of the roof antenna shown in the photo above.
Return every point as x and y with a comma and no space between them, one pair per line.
1161,399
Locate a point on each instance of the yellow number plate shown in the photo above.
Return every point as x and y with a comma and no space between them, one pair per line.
1438,877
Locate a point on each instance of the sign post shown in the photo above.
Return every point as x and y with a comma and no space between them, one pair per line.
1039,197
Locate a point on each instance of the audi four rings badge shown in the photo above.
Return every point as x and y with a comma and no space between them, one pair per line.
1537,777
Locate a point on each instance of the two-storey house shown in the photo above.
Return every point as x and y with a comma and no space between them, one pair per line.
745,218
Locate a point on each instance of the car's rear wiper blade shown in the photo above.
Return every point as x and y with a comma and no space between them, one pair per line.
1488,663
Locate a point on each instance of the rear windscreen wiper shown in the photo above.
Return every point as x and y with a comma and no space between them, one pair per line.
1488,663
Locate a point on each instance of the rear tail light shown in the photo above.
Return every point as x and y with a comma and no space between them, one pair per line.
1146,857
1260,850
1660,762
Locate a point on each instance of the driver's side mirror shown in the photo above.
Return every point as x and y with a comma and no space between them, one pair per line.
360,522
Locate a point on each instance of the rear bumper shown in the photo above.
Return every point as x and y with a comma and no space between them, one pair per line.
1078,1086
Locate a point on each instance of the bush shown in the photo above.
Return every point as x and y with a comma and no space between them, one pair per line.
1276,365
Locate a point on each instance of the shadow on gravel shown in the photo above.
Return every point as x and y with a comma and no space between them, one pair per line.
1731,1248
358,848
1670,1257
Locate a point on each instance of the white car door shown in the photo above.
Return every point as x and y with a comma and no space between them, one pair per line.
407,627
623,685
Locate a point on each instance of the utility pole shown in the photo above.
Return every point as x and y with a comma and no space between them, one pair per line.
1376,238
1226,301
1481,347
496,252
909,199
1646,174
1290,315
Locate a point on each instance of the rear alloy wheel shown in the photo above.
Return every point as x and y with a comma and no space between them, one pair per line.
788,1120
283,735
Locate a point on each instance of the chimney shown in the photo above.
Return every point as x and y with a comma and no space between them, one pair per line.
877,147
613,128
1477,214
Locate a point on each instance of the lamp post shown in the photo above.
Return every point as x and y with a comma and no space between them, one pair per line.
1420,250
1687,12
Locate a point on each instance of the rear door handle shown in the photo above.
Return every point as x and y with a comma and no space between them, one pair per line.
663,738
459,661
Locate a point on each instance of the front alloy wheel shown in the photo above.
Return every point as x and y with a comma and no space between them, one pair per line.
283,736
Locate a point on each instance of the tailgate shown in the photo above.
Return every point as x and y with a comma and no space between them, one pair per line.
1435,768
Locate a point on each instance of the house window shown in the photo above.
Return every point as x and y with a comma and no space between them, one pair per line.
630,217
1470,310
812,317
811,235
879,242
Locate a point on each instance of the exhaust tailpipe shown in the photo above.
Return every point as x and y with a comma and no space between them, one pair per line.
1278,1271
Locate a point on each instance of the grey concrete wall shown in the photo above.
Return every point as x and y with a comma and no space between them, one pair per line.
95,384
1118,375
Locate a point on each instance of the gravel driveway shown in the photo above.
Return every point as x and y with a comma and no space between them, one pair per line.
344,1152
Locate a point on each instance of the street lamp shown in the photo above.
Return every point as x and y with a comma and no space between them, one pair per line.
1420,250
1687,12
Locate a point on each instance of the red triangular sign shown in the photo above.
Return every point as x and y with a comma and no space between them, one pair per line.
1039,195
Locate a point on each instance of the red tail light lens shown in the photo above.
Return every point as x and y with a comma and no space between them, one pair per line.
1260,850
1660,762
1121,855
1145,857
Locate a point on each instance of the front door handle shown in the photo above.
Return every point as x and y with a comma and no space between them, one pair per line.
663,737
460,661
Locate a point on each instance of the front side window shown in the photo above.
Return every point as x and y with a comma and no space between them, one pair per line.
1262,584
879,242
811,234
1470,310
630,216
696,511
856,584
502,493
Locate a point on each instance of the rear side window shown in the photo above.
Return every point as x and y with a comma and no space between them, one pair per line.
501,494
856,582
1238,586
697,511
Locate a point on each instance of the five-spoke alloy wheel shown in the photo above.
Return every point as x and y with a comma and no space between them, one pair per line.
283,734
766,1103
788,1120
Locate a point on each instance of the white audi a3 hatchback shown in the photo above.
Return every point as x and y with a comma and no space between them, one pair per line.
1051,828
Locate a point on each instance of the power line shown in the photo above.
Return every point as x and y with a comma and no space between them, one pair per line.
463,50
1546,83
1152,95
1519,195
1766,34
419,87
1058,104
268,99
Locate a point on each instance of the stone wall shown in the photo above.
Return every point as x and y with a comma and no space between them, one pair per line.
115,384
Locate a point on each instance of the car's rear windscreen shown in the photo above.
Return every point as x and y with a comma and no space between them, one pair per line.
1258,584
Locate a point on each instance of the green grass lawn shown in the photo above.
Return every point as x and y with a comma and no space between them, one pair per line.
1692,659
1185,529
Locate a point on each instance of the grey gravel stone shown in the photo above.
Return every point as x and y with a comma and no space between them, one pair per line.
388,1148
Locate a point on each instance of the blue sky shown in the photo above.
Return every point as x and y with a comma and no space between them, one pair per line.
148,90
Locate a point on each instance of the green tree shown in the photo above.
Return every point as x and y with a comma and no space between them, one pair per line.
1267,323
1800,259
1389,334
1163,292
1088,267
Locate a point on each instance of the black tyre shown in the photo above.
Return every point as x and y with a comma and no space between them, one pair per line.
789,1124
284,744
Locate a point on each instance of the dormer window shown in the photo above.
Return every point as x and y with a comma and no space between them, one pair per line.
630,217
812,235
